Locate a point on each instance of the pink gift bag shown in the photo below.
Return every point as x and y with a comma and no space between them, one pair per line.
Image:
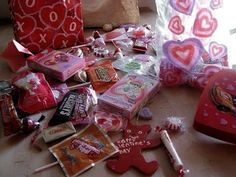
40,24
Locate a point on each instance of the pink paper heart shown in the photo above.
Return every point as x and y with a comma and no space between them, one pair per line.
175,25
62,40
217,51
183,54
31,6
53,16
183,6
205,24
25,25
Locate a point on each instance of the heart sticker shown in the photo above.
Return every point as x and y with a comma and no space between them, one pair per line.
205,24
42,37
72,25
53,16
24,25
62,40
175,25
183,54
216,4
183,6
217,51
31,6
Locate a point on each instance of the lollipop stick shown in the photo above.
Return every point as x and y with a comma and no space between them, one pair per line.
45,167
78,85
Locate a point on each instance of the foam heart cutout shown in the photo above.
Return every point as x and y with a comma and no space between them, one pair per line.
205,24
184,54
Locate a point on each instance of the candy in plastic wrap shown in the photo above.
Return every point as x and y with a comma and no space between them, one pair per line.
102,76
11,122
35,92
83,150
109,121
174,124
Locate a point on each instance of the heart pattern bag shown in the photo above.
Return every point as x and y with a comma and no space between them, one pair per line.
40,24
189,38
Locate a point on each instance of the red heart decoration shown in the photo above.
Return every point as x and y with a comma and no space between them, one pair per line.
205,24
78,11
175,25
43,37
24,26
53,16
33,47
183,6
184,54
62,40
72,25
71,3
31,6
217,50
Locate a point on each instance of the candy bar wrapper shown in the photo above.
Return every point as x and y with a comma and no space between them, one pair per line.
189,33
57,64
35,92
59,131
128,95
10,119
42,24
83,150
102,76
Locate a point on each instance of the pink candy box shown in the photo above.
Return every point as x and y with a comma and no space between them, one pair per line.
128,95
57,64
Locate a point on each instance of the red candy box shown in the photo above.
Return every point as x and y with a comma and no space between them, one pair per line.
42,24
216,113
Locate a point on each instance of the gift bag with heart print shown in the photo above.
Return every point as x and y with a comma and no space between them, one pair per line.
190,40
40,24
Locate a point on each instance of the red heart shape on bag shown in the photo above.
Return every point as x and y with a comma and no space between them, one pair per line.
33,47
53,16
24,26
175,25
62,40
72,25
43,37
183,6
78,11
71,3
205,24
31,6
217,51
183,54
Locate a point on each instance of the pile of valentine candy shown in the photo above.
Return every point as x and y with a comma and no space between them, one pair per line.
104,80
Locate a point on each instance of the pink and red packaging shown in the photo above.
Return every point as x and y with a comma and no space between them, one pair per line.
42,24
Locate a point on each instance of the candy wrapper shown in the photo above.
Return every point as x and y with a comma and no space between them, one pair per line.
10,119
42,24
83,150
140,64
189,34
75,107
57,64
35,92
109,121
128,95
102,76
174,124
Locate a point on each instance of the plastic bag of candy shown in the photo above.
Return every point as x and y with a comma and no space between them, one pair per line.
189,34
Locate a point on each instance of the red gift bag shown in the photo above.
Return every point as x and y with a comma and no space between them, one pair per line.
40,24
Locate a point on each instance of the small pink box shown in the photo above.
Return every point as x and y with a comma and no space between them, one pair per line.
56,64
128,95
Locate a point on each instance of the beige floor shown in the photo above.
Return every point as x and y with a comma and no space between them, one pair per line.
202,155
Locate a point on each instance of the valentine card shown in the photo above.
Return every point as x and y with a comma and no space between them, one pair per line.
216,113
128,95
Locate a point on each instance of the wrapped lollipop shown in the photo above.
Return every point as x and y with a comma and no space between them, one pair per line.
174,124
